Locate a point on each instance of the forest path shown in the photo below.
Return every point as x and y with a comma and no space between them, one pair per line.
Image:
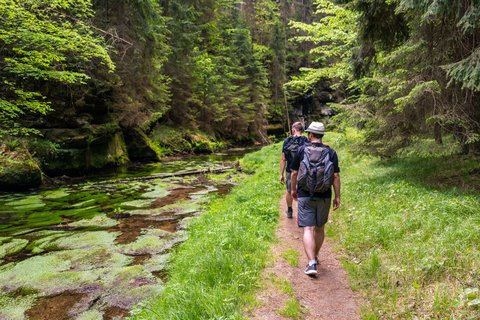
326,297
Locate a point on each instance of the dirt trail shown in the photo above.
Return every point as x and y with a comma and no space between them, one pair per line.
326,297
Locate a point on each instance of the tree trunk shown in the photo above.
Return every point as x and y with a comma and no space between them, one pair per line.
437,132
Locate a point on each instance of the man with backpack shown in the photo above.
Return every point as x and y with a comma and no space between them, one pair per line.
289,150
314,171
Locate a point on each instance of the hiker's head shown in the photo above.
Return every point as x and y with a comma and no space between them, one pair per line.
315,130
297,127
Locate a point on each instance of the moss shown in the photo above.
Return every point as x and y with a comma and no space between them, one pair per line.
18,171
153,241
12,247
73,240
55,194
129,285
183,207
100,221
140,147
171,139
111,150
140,203
90,315
159,190
157,263
15,308
27,203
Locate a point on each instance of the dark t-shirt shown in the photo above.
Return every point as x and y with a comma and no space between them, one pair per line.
296,165
286,142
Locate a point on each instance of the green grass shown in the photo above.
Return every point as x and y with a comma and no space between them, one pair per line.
283,285
411,230
292,257
292,309
214,273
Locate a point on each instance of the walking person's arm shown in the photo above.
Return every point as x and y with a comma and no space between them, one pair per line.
336,189
294,184
283,164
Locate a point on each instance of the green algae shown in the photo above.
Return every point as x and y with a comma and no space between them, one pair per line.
86,203
157,263
184,207
12,247
92,314
159,190
93,258
129,285
28,203
139,203
152,241
15,308
74,240
92,261
99,221
55,194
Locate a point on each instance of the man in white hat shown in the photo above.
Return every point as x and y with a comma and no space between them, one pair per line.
314,171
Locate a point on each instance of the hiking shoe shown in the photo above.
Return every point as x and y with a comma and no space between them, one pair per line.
311,270
290,213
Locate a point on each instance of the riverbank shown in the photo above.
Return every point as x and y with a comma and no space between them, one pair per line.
214,274
407,231
69,156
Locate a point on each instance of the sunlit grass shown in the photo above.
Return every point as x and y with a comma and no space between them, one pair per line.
412,242
292,309
284,285
292,257
214,273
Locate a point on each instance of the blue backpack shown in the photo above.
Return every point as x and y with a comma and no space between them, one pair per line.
316,170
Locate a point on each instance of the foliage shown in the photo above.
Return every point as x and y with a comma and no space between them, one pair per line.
138,34
334,37
410,228
423,72
43,46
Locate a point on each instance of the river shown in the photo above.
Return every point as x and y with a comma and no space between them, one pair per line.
94,249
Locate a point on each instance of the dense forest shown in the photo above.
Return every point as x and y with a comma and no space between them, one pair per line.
97,83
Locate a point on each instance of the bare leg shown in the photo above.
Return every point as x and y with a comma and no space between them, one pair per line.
309,242
319,235
289,199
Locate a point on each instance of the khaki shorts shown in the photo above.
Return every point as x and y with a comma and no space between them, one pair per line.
313,212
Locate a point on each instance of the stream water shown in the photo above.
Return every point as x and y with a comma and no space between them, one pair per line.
92,250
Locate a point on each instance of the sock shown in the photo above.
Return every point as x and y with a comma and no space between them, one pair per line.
290,209
311,262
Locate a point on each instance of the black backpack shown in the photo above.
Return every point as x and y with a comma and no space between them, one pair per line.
316,169
291,147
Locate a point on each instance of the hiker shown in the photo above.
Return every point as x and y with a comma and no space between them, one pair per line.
314,171
289,149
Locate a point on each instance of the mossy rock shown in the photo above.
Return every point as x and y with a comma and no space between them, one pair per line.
18,171
108,150
83,149
140,147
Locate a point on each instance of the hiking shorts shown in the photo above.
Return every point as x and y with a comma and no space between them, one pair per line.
313,212
289,182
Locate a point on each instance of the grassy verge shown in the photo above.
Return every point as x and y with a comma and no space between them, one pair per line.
214,272
411,231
